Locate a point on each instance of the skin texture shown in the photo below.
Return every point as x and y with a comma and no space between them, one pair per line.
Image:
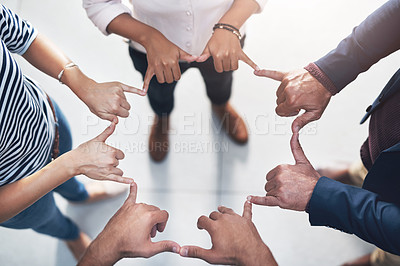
94,159
129,233
163,56
224,46
298,90
106,100
290,186
235,240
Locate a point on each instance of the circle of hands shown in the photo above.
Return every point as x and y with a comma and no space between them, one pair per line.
234,237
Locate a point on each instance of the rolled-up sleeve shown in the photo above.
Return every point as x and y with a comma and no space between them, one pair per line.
262,4
102,12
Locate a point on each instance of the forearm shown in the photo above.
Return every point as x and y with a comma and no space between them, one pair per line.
375,38
356,211
100,253
46,57
18,196
126,26
239,12
260,256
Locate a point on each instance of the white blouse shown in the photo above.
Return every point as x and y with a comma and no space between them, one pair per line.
186,23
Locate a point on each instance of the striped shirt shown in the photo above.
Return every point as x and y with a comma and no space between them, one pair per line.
27,127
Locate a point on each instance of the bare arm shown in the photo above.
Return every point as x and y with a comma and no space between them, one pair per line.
106,100
94,159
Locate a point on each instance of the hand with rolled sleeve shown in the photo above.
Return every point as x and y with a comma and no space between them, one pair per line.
235,239
290,186
128,234
298,90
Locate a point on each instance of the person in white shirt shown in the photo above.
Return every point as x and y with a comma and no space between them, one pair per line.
167,38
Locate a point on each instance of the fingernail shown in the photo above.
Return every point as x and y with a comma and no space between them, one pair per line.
248,199
184,252
257,68
174,249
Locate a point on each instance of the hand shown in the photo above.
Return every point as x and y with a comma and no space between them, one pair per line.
290,186
163,60
299,90
97,160
128,234
226,51
107,100
235,239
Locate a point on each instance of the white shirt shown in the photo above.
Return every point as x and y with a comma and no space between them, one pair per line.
186,23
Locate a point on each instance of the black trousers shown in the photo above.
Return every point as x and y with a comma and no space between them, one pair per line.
161,95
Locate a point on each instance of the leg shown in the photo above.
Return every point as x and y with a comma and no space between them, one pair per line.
161,97
219,88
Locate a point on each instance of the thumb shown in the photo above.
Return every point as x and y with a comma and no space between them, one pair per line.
132,193
248,61
204,56
130,89
297,150
164,246
266,201
107,132
147,78
198,252
303,120
247,210
185,56
272,74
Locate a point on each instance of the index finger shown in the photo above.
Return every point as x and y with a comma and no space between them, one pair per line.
248,61
297,150
272,74
127,88
247,210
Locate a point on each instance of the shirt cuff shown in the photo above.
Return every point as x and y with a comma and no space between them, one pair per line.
317,73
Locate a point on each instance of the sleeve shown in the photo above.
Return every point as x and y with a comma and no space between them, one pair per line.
102,12
262,4
356,211
375,38
16,33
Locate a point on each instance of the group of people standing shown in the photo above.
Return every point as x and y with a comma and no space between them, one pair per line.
167,38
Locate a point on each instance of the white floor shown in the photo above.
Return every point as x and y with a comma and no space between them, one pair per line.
204,168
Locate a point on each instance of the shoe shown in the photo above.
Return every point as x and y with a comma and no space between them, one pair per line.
158,141
231,122
79,245
362,261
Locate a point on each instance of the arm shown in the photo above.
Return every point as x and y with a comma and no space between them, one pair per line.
224,46
128,234
311,88
235,240
162,55
106,100
356,211
94,159
375,38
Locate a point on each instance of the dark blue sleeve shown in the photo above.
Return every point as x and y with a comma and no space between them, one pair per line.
356,211
375,38
16,33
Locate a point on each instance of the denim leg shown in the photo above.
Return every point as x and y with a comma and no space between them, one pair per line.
44,217
72,190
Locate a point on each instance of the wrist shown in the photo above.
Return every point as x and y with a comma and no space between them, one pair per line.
72,163
77,81
100,253
149,37
257,256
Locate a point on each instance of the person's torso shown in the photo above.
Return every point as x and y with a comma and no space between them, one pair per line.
186,23
27,126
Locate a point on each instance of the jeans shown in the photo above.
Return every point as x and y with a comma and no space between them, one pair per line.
161,95
44,216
